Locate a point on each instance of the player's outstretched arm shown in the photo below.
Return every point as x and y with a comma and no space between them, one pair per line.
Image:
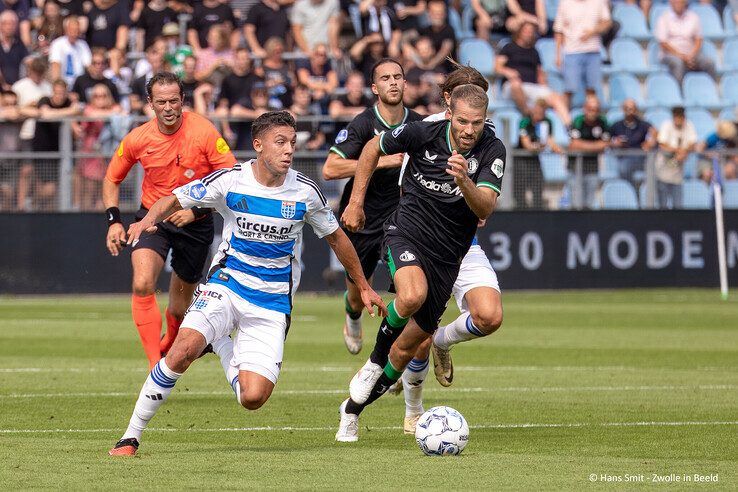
336,167
115,239
164,207
481,201
353,217
346,254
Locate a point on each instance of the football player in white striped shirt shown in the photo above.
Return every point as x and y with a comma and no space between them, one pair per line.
264,205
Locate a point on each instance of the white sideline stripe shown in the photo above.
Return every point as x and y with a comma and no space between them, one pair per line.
513,389
352,368
573,425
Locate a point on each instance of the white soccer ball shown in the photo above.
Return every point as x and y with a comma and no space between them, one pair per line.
441,431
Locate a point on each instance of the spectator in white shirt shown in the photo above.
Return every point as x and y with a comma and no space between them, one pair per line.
677,139
679,34
69,55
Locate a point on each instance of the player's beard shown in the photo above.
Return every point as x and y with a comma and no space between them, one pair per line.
391,98
465,145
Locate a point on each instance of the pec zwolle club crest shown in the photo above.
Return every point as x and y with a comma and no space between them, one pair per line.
288,209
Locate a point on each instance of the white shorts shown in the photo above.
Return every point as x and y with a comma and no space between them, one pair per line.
475,271
532,92
258,344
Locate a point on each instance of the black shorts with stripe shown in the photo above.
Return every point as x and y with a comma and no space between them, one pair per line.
400,252
190,245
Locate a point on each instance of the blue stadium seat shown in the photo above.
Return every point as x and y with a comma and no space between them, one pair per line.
513,116
729,21
700,91
712,25
704,123
496,102
626,55
551,7
663,90
454,20
729,89
553,167
729,114
619,194
632,22
653,51
614,115
653,16
547,51
609,169
643,196
710,51
561,136
479,54
467,19
624,86
730,55
730,193
656,116
555,82
695,194
690,166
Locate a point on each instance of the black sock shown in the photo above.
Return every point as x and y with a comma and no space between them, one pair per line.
389,330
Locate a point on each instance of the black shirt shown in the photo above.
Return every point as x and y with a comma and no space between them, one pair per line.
525,60
84,83
438,37
580,129
103,27
383,192
152,22
536,132
46,138
71,7
203,18
363,102
237,88
635,134
432,212
268,22
10,61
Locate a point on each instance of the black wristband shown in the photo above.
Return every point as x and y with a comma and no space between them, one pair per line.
201,212
113,216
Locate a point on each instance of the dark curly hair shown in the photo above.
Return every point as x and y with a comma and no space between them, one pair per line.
270,120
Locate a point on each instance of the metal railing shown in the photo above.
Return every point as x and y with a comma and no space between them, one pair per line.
537,180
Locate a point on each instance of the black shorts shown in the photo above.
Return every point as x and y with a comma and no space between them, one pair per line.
190,245
400,252
369,250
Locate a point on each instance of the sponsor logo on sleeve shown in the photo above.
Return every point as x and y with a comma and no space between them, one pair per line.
120,150
407,256
396,132
189,173
196,191
221,146
497,167
342,136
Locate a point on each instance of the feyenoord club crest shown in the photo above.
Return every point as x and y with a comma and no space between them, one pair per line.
472,165
288,209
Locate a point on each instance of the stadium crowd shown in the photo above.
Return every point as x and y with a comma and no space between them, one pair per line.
555,67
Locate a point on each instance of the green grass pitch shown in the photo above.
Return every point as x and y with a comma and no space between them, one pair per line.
629,385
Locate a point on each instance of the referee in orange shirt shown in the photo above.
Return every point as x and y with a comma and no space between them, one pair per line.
174,148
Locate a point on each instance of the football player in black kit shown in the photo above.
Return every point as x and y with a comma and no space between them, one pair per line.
453,179
383,191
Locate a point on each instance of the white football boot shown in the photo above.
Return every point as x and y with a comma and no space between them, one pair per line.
352,334
363,381
348,427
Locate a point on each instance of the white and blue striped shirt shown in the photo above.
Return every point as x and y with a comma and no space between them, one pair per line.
258,258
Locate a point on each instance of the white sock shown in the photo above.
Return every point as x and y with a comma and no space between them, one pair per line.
354,325
156,389
459,330
223,348
412,386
